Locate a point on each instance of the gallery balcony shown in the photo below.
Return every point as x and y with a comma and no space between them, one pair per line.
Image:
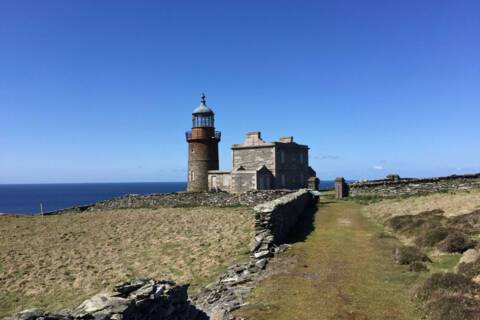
202,135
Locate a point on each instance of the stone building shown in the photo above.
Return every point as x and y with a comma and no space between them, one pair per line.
256,164
261,165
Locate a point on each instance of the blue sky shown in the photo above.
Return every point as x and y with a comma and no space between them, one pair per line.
102,91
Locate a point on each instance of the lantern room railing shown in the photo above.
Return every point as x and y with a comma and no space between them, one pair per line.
217,135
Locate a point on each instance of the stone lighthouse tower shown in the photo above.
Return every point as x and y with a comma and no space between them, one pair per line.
202,147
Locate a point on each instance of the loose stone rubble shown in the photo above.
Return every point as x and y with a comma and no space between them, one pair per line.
139,299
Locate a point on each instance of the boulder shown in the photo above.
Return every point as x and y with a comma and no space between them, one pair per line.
471,255
101,304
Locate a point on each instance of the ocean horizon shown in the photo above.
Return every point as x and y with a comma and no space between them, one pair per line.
27,198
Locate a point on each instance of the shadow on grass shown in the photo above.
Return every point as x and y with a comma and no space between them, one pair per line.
304,226
325,203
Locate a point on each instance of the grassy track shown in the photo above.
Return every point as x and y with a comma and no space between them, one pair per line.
342,270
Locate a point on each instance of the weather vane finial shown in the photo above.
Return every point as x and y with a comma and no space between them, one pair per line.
204,100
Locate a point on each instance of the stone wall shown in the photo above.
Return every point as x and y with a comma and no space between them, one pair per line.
275,219
141,299
273,222
181,199
396,186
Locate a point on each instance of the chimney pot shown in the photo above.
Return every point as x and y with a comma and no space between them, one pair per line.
286,139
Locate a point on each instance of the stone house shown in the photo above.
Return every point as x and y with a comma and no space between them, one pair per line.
261,165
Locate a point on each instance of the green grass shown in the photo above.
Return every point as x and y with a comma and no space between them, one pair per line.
343,270
15,302
366,199
444,262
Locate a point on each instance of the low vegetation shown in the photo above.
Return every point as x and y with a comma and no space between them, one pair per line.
470,269
450,296
57,261
433,229
409,255
443,226
452,204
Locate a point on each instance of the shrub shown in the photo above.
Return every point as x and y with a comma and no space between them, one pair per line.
455,241
446,283
385,235
400,223
453,307
468,223
430,237
414,224
417,266
470,270
408,255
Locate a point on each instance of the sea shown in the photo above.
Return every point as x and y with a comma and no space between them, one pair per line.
29,198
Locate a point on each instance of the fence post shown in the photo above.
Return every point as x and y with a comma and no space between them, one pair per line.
341,188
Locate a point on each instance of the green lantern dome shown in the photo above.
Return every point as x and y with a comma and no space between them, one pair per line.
203,108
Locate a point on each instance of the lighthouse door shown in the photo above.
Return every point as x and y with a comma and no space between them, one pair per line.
214,183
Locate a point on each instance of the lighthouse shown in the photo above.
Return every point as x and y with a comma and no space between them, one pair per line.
202,147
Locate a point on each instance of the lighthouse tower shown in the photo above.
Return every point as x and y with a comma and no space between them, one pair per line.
202,147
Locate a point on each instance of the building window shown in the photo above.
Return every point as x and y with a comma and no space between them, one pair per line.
301,158
282,178
282,156
192,175
301,179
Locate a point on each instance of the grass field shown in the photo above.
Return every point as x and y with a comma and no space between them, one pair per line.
57,261
453,204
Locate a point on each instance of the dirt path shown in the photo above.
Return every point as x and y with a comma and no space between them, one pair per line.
342,270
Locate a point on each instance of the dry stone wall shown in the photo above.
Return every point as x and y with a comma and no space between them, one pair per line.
274,220
181,199
397,186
